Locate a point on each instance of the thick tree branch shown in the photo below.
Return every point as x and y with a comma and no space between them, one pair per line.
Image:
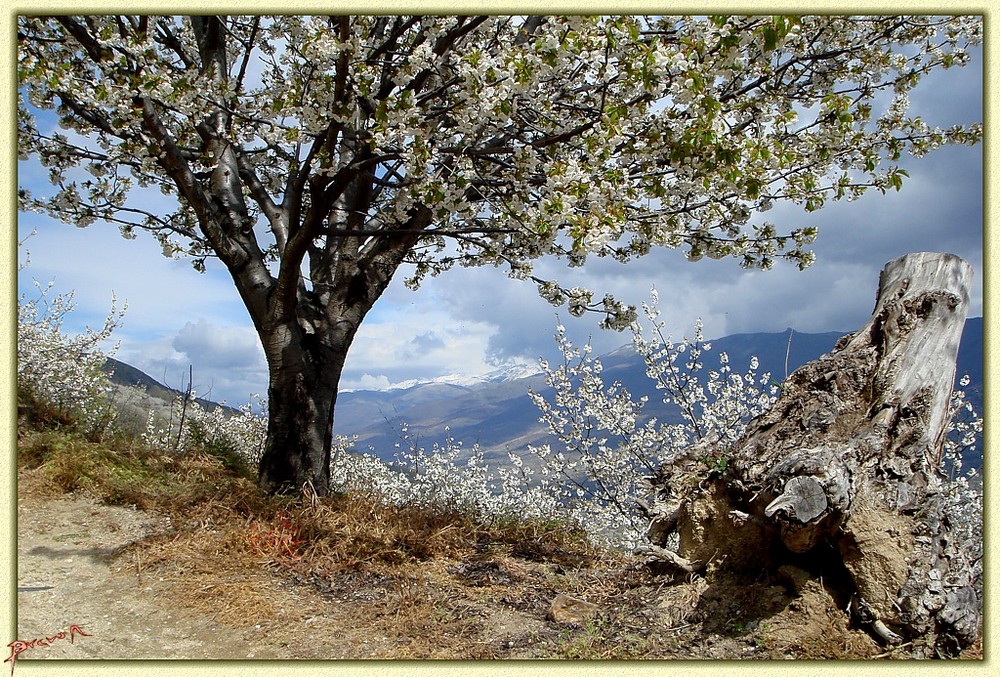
324,192
176,165
257,190
210,34
247,53
393,232
167,38
96,118
95,49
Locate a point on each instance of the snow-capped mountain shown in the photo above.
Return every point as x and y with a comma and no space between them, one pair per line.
509,372
494,410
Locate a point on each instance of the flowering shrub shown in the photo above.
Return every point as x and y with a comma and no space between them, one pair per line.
438,478
606,448
964,490
60,371
964,433
242,434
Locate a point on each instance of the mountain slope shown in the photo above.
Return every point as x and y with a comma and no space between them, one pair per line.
123,374
500,416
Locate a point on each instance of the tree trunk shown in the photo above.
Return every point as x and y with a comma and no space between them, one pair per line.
846,469
302,392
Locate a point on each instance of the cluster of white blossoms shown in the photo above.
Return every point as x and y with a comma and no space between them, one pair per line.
589,476
964,489
448,477
605,447
190,426
64,372
524,136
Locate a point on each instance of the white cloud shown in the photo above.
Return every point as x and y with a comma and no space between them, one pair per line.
366,382
224,347
417,340
227,361
96,261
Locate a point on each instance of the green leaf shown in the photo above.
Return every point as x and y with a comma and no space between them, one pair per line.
770,39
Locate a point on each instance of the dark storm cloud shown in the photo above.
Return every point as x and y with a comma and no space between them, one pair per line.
425,343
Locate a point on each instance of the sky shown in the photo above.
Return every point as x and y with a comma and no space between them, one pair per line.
471,321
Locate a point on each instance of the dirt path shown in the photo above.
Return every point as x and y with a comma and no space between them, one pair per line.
68,575
72,571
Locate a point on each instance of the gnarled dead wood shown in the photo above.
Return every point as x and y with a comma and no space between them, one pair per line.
850,457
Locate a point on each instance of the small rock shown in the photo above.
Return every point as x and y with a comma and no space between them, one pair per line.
571,611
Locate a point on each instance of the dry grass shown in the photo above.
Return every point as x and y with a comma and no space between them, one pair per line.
424,579
348,577
343,531
401,582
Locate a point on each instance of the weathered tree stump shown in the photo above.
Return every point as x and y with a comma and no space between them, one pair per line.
847,465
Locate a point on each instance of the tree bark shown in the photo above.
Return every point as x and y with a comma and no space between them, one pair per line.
847,468
301,395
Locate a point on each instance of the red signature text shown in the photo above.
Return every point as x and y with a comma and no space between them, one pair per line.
17,647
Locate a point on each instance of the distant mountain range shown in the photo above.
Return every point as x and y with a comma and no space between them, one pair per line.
496,412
